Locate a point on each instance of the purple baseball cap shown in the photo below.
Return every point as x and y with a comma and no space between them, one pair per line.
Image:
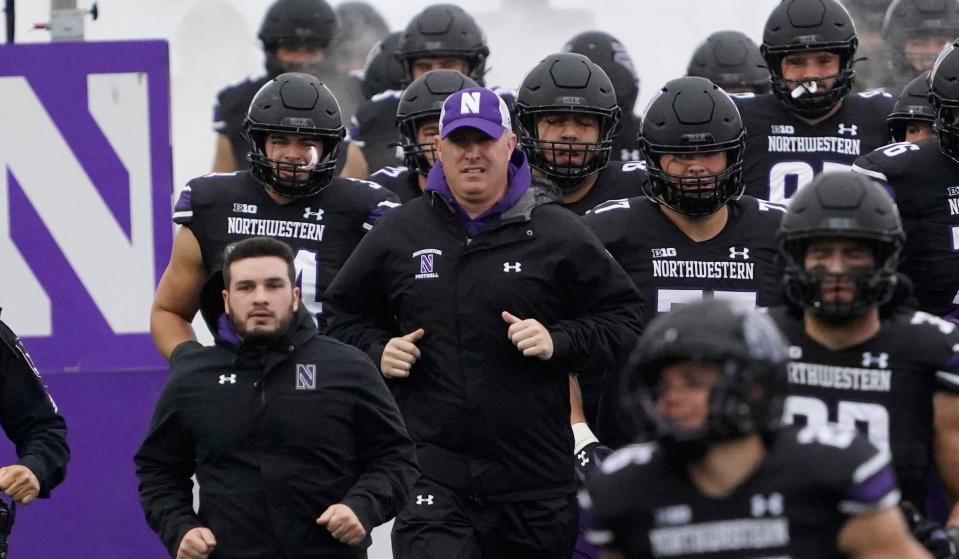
476,107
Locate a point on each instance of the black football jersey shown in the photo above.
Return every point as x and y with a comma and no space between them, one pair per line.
925,183
810,482
322,230
232,104
626,141
617,181
741,263
784,152
400,181
883,386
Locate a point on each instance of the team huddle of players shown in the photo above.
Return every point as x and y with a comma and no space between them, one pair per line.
792,175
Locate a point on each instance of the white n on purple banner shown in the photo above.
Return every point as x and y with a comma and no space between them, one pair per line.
85,199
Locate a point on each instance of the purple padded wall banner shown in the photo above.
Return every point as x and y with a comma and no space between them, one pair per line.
85,234
85,199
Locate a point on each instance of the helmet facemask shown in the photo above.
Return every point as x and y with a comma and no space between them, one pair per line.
556,159
304,179
874,285
418,157
741,403
700,195
809,98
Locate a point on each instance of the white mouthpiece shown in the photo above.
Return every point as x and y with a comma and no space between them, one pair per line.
314,159
806,87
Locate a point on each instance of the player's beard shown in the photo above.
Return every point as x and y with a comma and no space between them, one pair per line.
264,337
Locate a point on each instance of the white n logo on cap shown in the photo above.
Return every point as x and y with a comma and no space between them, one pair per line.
470,102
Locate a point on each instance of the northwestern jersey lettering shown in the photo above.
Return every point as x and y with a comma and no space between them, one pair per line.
884,386
223,208
925,184
740,263
784,152
811,480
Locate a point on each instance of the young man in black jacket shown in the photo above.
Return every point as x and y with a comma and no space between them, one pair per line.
297,445
476,299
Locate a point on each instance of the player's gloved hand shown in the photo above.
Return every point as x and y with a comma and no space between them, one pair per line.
589,459
942,543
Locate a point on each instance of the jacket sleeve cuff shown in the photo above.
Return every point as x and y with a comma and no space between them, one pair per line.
561,345
36,466
358,506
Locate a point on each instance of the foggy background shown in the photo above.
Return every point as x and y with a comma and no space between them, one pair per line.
213,43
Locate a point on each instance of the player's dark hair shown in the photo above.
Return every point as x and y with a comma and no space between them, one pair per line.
257,247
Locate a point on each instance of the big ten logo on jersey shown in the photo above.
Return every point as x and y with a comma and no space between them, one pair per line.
85,228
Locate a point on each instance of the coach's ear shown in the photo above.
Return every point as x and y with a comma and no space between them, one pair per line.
296,299
226,301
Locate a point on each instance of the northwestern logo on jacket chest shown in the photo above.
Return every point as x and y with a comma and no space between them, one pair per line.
427,263
306,376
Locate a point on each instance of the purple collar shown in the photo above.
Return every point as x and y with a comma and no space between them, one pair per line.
518,182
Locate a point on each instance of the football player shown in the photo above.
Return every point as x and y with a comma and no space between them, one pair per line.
809,123
857,356
566,118
418,119
610,55
917,30
875,55
912,116
442,36
720,477
923,177
693,234
295,35
289,193
731,60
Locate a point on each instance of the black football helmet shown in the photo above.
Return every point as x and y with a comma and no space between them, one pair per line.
693,115
748,397
383,71
293,24
841,204
566,83
730,59
911,105
809,25
294,103
609,54
944,97
444,30
912,18
422,101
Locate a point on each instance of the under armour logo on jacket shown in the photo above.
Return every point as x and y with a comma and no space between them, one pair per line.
228,379
420,500
870,360
734,254
853,129
318,214
583,460
514,267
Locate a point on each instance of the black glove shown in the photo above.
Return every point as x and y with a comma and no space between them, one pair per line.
942,543
589,459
